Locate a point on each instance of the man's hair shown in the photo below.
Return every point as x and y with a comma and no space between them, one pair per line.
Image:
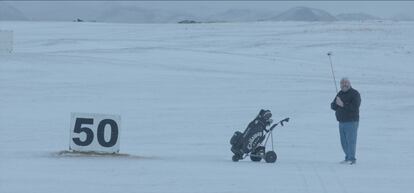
345,79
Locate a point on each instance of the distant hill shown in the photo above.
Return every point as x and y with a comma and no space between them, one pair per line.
141,15
9,13
304,14
113,12
402,17
356,17
239,15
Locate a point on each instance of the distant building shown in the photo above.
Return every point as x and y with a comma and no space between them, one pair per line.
78,20
187,21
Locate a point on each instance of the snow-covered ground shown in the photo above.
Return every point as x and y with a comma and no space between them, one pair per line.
182,90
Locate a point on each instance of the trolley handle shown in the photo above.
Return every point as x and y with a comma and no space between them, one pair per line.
281,122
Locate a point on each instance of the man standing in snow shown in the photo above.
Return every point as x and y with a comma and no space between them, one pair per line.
346,106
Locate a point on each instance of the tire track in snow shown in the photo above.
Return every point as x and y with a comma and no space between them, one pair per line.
305,181
320,179
321,182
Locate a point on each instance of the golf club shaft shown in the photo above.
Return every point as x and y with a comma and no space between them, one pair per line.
333,74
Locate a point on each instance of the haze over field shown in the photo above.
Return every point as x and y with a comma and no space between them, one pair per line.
180,91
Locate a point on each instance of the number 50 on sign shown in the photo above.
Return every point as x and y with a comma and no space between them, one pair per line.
90,132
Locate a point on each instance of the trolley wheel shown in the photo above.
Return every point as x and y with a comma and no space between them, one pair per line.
270,157
257,154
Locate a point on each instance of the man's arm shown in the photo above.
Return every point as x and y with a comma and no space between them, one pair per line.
334,106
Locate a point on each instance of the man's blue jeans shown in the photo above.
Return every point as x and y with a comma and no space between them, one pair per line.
348,132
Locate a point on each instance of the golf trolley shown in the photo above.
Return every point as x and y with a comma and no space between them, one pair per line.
252,142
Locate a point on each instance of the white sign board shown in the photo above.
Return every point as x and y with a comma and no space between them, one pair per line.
90,132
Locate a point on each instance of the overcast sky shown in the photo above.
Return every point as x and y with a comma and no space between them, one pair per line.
65,9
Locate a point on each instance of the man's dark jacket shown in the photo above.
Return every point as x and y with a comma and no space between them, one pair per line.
350,111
